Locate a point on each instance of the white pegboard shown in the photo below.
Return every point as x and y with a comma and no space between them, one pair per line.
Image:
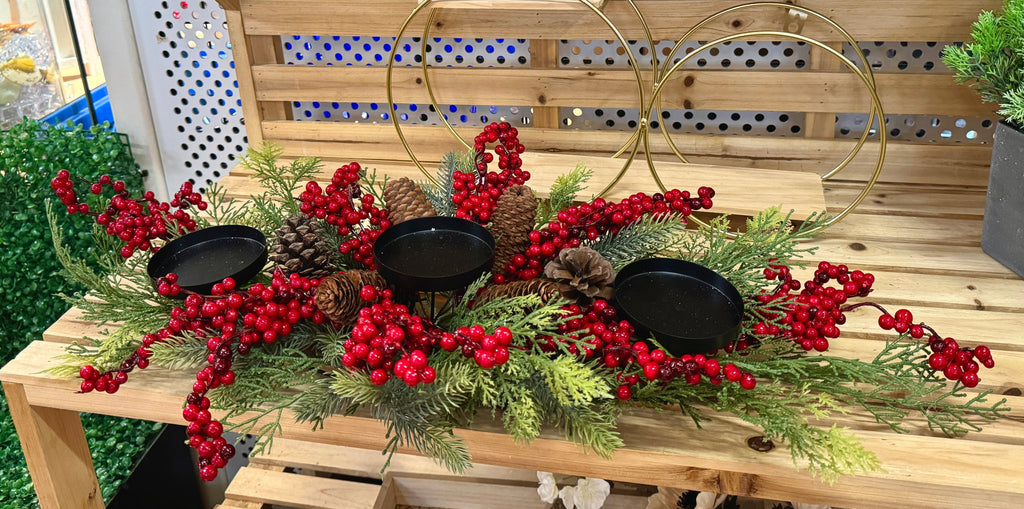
190,79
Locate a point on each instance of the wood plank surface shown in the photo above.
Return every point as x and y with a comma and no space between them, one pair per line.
905,163
300,491
821,91
914,20
662,448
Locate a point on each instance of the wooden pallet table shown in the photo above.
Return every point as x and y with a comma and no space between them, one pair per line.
918,231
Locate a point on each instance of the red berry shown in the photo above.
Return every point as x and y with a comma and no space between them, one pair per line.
208,473
625,392
937,361
970,379
886,322
747,381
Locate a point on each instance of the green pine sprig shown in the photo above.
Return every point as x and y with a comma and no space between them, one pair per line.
563,193
270,209
439,192
648,236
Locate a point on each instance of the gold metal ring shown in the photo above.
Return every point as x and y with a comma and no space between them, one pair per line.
865,79
689,35
426,80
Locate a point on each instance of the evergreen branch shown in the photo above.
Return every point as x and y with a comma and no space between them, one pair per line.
571,382
648,236
221,209
372,185
317,403
185,352
269,210
440,194
563,193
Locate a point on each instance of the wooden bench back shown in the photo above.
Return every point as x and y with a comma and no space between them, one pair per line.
822,89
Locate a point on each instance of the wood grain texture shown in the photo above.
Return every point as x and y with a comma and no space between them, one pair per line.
661,448
914,20
300,491
956,165
56,452
820,91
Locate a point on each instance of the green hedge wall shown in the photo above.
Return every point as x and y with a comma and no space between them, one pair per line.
31,153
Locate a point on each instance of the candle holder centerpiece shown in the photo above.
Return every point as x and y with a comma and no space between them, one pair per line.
207,256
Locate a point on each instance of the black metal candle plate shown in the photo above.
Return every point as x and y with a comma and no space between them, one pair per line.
434,254
686,307
205,257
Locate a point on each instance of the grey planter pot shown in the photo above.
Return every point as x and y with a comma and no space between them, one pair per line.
1002,236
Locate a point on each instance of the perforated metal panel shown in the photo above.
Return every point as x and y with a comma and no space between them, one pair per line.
190,78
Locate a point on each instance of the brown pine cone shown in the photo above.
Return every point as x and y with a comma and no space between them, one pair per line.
545,288
338,295
511,223
298,247
405,200
582,275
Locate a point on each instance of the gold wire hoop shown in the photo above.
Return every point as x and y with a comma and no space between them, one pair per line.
842,31
635,140
865,79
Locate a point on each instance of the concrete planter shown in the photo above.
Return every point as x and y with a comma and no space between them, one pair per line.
1002,237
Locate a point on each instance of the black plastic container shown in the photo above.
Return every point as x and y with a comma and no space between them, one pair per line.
205,257
686,307
434,254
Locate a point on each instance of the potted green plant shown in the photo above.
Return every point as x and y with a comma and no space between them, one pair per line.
992,62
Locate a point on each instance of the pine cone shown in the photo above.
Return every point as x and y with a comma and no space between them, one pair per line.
405,200
545,288
298,247
511,224
338,295
582,275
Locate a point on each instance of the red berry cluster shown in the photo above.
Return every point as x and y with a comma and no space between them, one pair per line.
488,350
815,314
385,330
589,221
610,339
958,363
337,206
137,222
476,194
817,311
259,314
948,357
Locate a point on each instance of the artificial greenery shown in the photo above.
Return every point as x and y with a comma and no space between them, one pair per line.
563,193
280,182
539,387
439,190
993,60
31,153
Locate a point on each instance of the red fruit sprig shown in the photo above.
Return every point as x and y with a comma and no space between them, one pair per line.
957,363
388,341
476,194
589,221
135,221
231,321
610,339
815,314
344,205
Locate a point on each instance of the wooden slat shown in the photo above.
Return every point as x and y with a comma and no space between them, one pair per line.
820,91
914,201
952,289
911,258
662,448
956,165
823,125
300,491
914,20
365,463
490,5
911,229
55,450
243,70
